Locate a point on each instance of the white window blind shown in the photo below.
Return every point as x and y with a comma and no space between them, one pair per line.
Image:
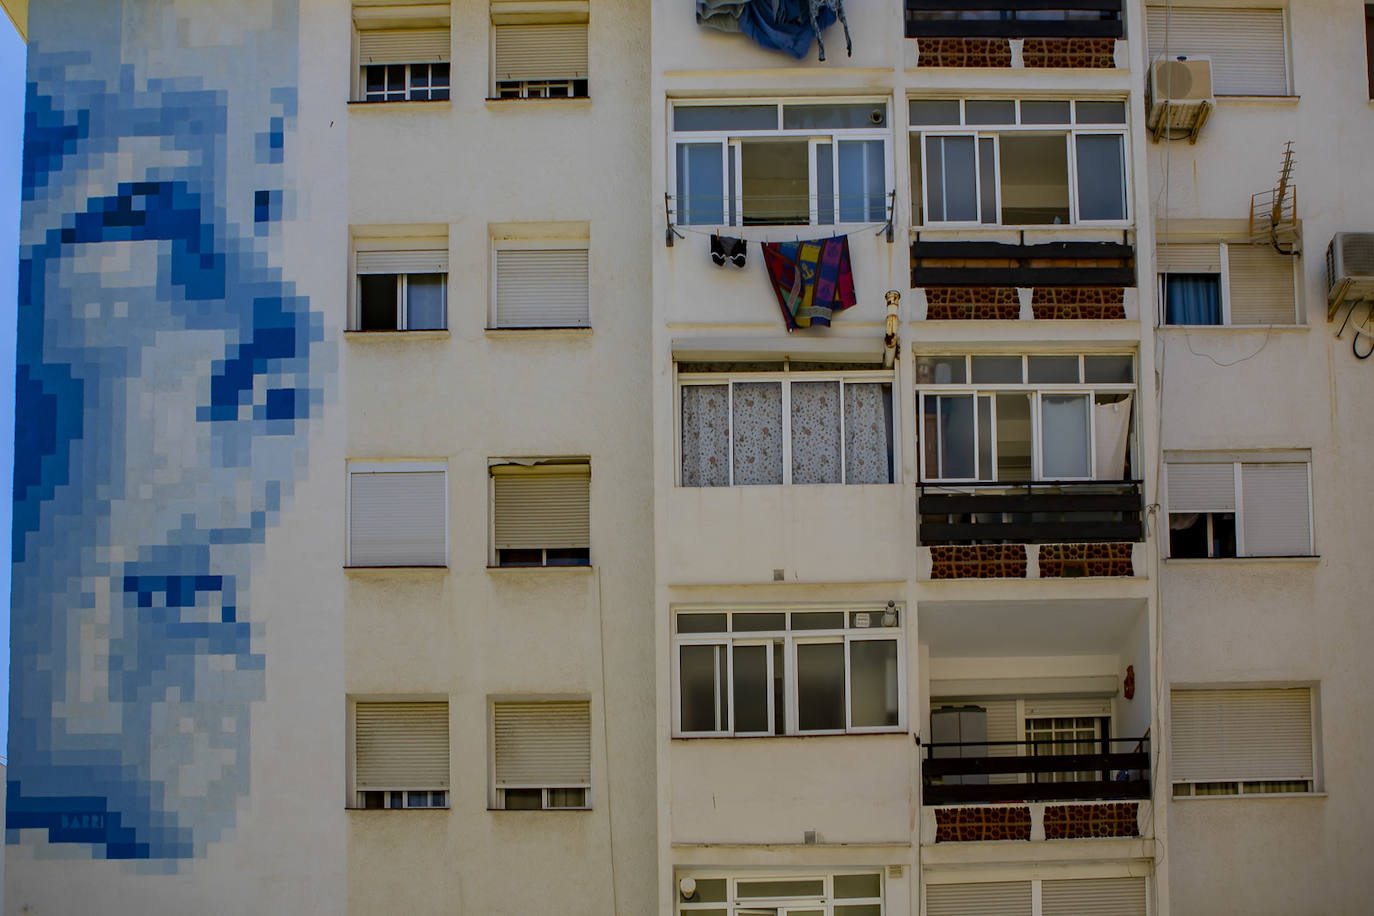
402,261
1202,487
1188,259
401,746
541,507
997,898
397,518
1069,706
1261,282
1239,734
542,288
541,52
1247,47
403,46
1093,897
542,745
1275,510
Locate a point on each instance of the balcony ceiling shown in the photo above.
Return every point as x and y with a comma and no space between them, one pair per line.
963,629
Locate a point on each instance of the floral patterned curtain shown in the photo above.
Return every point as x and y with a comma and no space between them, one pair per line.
868,433
705,436
816,432
758,433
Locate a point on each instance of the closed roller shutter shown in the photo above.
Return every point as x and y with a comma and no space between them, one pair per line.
542,507
1276,518
1247,47
542,288
401,746
1087,706
403,46
1261,285
541,52
542,745
998,898
1093,897
1189,259
402,261
1202,487
397,518
1238,734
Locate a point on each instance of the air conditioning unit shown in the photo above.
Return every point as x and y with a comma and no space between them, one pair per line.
1179,96
1349,269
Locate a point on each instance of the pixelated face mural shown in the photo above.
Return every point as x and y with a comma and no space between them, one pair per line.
168,372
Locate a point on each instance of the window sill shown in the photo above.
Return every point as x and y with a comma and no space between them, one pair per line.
1312,560
1211,328
396,335
538,332
1283,100
370,571
351,808
1321,796
362,104
513,104
540,810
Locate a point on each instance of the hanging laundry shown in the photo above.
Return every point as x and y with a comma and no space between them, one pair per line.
780,25
813,280
726,248
722,15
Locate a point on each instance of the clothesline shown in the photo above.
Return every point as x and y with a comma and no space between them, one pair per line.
734,230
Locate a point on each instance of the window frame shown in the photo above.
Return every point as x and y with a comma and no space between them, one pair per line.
410,88
363,466
786,376
732,159
1237,467
494,552
497,794
357,797
508,19
1070,131
398,19
791,638
1314,780
363,244
1223,275
542,243
734,903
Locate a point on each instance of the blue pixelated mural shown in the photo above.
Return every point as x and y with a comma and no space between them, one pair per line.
168,371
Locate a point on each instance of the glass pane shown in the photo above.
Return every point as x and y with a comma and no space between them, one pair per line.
985,437
1101,177
997,369
873,685
425,301
779,689
377,302
725,117
759,622
811,117
862,181
1108,369
710,890
917,189
860,909
1035,180
820,686
758,433
803,888
1066,450
1101,112
816,432
776,182
751,688
700,184
818,620
953,419
1055,369
1188,534
989,111
940,370
952,192
825,184
987,179
1013,437
701,623
567,798
868,433
858,886
1044,112
698,679
705,436
524,799
934,111
732,192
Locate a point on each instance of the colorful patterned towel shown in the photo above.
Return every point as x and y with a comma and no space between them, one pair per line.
813,279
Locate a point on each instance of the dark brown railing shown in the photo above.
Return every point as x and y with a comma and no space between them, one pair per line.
948,779
1039,512
1014,19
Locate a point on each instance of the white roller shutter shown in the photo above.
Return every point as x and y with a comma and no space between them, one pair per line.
542,288
1275,512
542,745
1093,897
397,518
1068,707
402,261
1202,487
403,46
401,746
541,52
542,507
1188,259
1247,47
997,898
1261,282
1239,734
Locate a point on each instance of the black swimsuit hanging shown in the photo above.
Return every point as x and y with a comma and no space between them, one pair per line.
727,248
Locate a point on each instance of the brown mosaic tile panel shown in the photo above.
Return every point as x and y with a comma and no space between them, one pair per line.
1081,53
1079,302
945,303
1070,561
978,561
963,52
990,822
1082,822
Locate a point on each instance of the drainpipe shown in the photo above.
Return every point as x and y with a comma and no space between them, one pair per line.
894,298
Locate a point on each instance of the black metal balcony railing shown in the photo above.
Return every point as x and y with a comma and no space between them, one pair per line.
1002,264
1014,19
1039,512
950,776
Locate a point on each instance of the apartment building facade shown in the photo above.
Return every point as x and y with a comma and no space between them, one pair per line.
950,435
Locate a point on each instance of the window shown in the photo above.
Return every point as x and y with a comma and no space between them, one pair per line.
400,288
785,423
400,755
780,164
1010,162
397,514
1222,284
1242,741
717,893
542,755
403,52
540,512
1050,726
1248,47
1069,897
540,284
1018,418
1236,508
781,672
539,49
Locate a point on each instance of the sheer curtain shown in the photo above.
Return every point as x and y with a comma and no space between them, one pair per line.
868,433
1064,431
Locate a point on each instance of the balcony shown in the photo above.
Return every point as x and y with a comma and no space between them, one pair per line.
1014,19
969,773
1048,264
1031,513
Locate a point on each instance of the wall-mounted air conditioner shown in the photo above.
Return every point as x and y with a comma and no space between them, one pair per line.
1349,269
1179,96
